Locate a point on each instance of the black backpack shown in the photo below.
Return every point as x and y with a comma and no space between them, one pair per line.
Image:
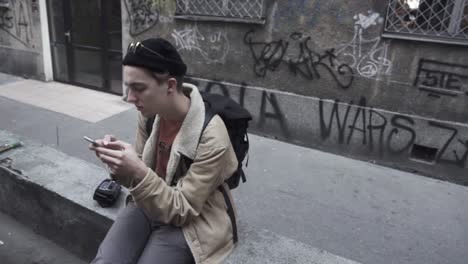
236,119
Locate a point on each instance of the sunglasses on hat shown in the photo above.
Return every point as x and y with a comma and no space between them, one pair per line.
135,46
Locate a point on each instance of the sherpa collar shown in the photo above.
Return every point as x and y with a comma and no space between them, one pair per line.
186,141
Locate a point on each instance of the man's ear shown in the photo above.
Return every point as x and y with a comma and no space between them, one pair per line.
171,85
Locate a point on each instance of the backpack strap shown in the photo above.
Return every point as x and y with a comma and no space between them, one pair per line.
209,114
230,209
149,125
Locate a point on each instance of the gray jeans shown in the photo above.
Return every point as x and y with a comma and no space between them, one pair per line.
134,238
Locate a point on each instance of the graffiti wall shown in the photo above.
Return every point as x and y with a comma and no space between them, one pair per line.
319,74
355,128
20,38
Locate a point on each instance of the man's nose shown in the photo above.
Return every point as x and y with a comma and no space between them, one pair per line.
130,96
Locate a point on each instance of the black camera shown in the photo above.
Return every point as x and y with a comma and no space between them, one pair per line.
107,193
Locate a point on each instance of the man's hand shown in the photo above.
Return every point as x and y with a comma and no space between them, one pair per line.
103,143
106,140
123,161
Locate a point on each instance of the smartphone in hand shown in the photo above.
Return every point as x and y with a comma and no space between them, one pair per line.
91,141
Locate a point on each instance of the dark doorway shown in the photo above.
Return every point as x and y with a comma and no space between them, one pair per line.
86,43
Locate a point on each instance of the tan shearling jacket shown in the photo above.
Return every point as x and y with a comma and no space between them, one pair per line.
195,204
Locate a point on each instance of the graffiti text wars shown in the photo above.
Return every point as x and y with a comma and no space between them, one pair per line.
395,134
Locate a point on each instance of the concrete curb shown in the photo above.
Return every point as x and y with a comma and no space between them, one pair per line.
52,193
66,223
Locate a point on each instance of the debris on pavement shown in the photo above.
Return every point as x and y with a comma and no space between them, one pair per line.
6,147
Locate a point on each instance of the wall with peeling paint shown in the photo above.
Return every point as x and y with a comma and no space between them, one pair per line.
20,39
318,74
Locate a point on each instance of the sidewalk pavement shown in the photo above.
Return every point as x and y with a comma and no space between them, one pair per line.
353,209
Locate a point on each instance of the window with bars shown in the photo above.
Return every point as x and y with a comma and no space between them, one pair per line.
230,10
444,21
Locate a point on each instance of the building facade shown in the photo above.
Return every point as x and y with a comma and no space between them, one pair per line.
380,81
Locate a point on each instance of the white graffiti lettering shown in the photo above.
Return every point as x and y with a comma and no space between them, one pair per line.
367,56
213,46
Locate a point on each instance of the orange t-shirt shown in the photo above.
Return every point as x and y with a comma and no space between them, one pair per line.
167,132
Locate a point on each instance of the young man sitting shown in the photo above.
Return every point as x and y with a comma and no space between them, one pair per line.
177,214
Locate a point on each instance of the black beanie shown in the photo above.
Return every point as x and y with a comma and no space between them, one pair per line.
146,56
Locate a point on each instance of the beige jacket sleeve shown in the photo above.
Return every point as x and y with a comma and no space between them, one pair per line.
180,204
141,134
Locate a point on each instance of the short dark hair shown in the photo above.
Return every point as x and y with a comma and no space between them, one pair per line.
163,77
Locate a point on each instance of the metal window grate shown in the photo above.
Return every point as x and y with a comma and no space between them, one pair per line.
446,19
4,3
244,9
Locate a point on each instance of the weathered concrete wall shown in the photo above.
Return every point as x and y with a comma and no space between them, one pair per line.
292,71
20,39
